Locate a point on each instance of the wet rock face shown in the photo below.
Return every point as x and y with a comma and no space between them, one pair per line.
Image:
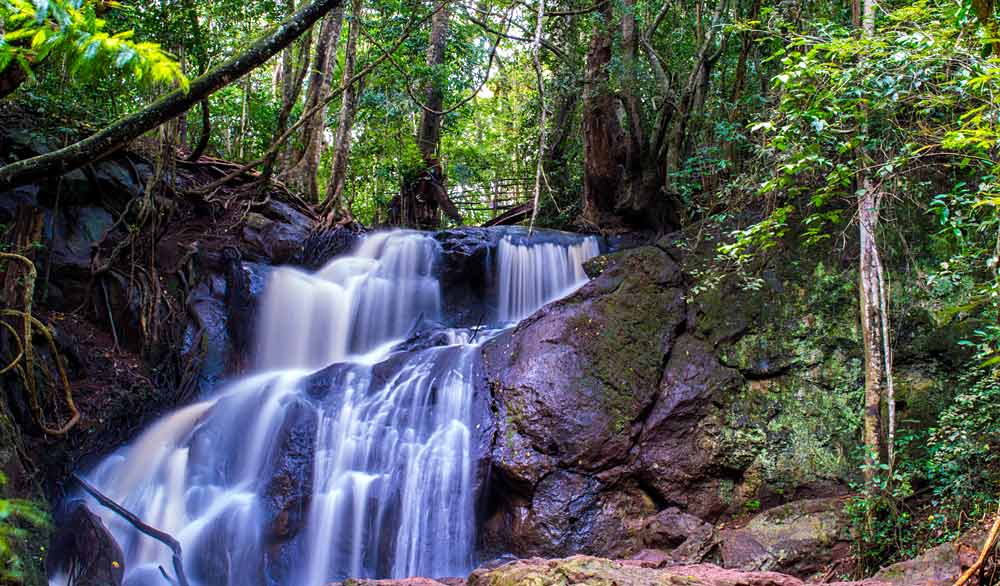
275,234
466,272
323,245
288,493
605,411
84,547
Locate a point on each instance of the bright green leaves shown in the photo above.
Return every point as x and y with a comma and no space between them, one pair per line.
70,31
915,96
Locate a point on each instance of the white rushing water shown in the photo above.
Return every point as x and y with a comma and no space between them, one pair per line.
340,457
532,274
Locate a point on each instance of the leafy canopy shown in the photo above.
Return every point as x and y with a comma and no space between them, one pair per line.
36,31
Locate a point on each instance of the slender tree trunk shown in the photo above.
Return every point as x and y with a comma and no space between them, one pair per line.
536,58
873,308
736,113
201,60
244,117
424,193
692,98
292,77
334,203
871,328
305,165
166,108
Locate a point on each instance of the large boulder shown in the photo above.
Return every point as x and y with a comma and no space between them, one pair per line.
605,407
802,538
938,566
276,233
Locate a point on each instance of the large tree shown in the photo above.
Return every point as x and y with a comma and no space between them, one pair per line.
424,191
631,150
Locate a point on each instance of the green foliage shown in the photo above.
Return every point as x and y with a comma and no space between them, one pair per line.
70,31
963,465
911,101
880,517
13,514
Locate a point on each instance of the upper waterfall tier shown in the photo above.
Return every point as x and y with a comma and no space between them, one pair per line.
351,305
533,273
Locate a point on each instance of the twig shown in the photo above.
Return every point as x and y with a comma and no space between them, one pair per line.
142,527
477,329
991,541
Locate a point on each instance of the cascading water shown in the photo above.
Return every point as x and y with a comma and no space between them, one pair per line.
346,455
532,274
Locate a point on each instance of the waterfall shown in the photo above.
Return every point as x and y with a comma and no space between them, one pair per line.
532,274
344,454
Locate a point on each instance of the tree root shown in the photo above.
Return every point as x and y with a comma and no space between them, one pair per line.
24,362
26,356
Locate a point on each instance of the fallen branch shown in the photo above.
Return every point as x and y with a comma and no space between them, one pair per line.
142,527
991,542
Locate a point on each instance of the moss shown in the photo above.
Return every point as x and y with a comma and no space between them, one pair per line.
796,415
623,349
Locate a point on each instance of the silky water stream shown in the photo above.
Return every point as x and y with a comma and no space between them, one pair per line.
351,449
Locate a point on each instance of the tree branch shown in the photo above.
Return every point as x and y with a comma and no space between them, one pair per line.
142,527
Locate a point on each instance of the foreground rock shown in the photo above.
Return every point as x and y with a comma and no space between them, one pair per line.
593,571
83,548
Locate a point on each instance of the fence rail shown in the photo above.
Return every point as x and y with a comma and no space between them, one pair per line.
501,201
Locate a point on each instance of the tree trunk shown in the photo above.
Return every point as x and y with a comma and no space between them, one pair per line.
305,167
871,329
291,86
201,60
692,98
621,178
874,309
166,108
334,206
603,152
423,193
737,118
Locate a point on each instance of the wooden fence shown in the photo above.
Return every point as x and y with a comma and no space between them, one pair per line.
501,201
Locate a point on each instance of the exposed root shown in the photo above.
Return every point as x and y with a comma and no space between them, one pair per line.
24,362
